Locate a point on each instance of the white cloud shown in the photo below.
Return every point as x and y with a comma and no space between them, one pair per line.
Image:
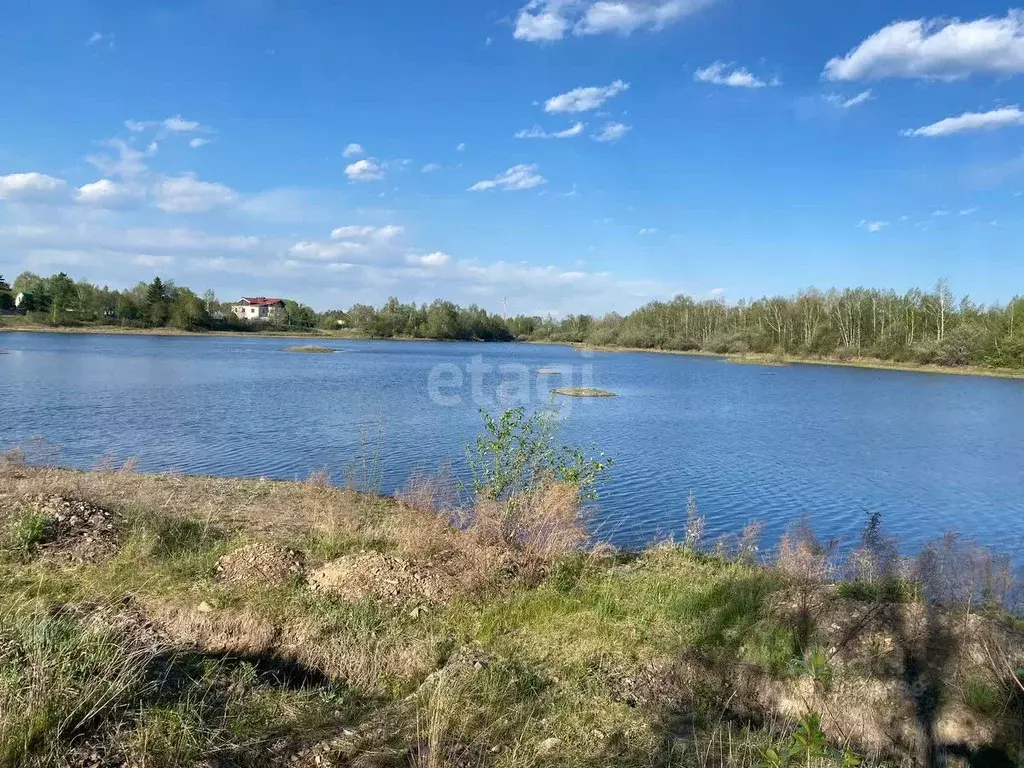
178,124
173,124
353,150
134,239
647,231
874,226
431,167
940,213
383,234
724,73
315,251
717,291
971,121
154,262
187,194
612,132
968,211
31,186
128,162
367,169
100,38
584,99
435,259
197,142
947,49
461,147
547,20
844,103
517,177
536,132
106,194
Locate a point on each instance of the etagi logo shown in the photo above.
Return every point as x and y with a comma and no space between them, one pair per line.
486,385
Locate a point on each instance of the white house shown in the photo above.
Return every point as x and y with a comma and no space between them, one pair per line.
259,308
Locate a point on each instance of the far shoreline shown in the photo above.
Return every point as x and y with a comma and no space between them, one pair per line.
768,360
752,358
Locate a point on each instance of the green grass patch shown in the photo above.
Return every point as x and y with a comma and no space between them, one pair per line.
25,534
665,601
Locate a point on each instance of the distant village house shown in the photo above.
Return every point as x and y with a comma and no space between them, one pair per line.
259,308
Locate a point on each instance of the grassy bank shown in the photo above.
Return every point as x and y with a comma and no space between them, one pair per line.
176,621
777,360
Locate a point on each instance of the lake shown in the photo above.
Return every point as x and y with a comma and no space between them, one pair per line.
930,452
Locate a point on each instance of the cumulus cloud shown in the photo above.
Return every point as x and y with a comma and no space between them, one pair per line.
947,49
106,194
367,169
584,99
461,147
536,132
431,167
548,20
725,73
31,186
644,231
517,177
846,103
383,234
874,226
353,150
971,121
198,142
435,259
612,132
187,194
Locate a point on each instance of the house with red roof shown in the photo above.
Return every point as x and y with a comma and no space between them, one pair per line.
259,309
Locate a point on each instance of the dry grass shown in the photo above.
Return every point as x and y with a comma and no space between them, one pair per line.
535,653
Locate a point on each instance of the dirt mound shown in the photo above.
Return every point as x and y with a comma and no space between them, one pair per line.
74,530
260,565
382,577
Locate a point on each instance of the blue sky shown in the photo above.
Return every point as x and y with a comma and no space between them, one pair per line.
565,155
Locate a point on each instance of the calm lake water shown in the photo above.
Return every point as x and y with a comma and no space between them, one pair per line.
930,452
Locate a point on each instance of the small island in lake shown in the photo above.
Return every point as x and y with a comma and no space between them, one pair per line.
548,371
311,349
582,392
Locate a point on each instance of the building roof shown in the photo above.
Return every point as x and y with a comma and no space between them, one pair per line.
260,301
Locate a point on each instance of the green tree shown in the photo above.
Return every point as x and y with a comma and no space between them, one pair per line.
157,302
187,312
126,308
299,315
62,295
6,297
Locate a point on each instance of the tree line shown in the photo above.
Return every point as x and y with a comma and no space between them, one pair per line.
60,301
928,327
